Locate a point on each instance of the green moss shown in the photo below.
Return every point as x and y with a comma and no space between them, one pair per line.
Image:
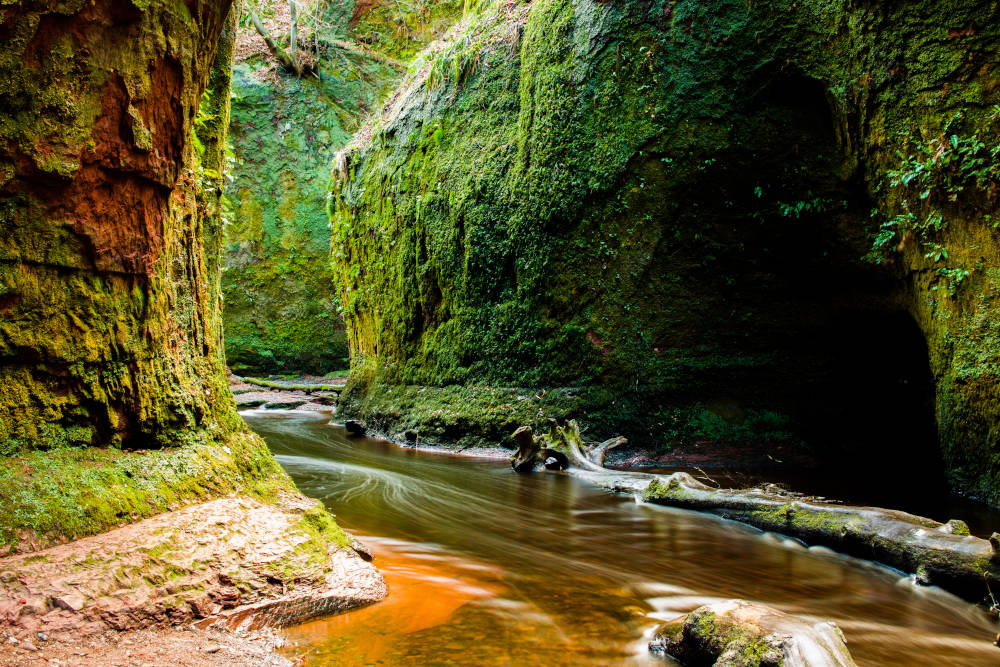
401,31
282,308
74,492
665,202
113,400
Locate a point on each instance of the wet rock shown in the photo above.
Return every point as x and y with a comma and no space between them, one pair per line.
362,550
412,436
284,404
553,460
955,527
355,428
736,632
242,402
326,397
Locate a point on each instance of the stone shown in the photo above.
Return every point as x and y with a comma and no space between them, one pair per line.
355,427
284,404
955,527
71,601
362,550
729,632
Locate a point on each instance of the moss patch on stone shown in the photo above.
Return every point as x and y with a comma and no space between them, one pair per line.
46,497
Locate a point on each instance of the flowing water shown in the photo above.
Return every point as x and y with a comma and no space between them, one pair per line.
487,567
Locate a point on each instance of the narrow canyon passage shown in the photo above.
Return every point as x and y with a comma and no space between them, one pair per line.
486,567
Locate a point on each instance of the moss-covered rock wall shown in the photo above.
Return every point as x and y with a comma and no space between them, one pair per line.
282,311
113,399
108,253
706,221
281,308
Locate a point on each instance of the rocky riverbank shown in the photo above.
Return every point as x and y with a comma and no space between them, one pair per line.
232,564
318,394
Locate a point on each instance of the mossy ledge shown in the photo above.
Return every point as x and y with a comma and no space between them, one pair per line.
706,209
737,632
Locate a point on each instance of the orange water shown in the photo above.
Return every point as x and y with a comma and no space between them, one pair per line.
487,567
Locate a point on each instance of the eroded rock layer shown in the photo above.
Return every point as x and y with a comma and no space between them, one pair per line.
108,248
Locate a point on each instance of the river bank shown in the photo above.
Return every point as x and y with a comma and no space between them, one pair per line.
957,562
180,646
253,557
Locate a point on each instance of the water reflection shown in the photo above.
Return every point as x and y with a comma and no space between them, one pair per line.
486,567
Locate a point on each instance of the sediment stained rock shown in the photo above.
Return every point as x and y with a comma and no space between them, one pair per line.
234,562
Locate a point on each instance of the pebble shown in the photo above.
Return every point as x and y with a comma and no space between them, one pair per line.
27,646
44,637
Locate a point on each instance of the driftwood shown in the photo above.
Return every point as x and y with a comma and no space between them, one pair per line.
940,554
531,452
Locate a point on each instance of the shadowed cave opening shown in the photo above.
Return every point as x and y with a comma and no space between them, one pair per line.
854,368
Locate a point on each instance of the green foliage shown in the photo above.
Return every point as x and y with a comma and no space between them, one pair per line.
939,179
401,29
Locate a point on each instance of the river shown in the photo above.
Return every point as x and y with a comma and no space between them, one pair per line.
488,567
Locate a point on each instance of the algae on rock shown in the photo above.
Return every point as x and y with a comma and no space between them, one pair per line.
282,310
113,399
671,203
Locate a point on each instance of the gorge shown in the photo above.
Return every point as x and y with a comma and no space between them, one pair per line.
742,235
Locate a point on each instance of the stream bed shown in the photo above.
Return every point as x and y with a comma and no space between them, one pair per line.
488,567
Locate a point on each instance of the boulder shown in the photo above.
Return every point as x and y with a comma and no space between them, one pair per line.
355,428
737,632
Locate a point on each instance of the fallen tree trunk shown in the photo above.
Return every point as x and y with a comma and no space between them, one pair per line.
939,554
944,555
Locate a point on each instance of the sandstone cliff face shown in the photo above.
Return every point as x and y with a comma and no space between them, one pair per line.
111,147
715,220
108,252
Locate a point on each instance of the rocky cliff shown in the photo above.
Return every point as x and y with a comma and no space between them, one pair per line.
696,222
282,309
113,400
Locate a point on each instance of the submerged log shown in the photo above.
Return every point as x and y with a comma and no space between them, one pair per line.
939,554
737,632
